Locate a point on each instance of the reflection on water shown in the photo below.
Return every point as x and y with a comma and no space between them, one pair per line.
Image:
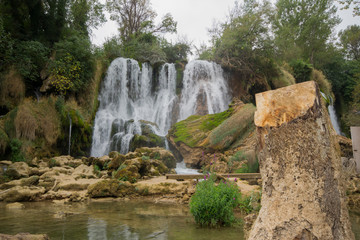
117,220
109,221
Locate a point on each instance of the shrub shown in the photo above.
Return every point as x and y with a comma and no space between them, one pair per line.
16,154
213,205
301,70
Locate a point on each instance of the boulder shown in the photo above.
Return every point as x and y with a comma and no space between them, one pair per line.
158,153
18,170
31,181
21,194
303,186
83,171
110,188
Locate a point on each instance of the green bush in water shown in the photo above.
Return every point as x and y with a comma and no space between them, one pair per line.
213,204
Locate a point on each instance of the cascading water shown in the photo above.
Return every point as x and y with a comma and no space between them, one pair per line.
205,90
70,127
333,117
332,114
129,95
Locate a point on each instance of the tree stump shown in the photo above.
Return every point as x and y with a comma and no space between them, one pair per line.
303,187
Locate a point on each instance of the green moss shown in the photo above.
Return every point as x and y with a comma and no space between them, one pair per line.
233,129
214,120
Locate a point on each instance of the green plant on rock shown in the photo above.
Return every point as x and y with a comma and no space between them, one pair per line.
249,204
213,204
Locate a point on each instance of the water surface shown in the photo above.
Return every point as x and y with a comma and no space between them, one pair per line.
107,221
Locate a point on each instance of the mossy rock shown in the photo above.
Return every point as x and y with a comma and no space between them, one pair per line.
110,188
159,154
195,129
238,126
116,162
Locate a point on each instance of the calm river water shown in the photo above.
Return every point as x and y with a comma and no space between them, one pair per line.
107,221
116,220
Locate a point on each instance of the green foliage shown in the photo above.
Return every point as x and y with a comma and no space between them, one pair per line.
233,129
348,3
65,72
75,52
4,141
30,58
145,157
301,70
249,204
244,44
6,47
136,17
302,28
213,204
16,153
214,120
176,52
350,41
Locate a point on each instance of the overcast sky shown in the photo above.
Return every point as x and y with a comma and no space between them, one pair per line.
194,17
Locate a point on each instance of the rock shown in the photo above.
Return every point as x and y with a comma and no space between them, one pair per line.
110,188
33,180
15,205
349,167
21,194
303,187
116,161
24,236
18,170
345,146
83,171
159,154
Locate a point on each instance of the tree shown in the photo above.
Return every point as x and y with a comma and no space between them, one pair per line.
350,41
347,4
245,43
302,28
136,16
85,14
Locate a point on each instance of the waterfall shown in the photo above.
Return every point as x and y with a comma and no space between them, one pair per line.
205,90
332,113
128,96
131,97
333,117
70,126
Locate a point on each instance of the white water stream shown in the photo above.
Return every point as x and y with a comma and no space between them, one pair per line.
130,94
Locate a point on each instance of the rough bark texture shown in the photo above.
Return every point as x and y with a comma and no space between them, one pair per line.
303,187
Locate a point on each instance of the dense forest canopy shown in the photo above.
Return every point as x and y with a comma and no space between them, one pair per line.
45,48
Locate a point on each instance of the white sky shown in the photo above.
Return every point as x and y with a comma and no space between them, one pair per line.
194,17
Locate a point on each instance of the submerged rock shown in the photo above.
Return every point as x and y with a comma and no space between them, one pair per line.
24,236
303,187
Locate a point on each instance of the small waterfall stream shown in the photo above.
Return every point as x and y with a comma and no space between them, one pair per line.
131,98
70,127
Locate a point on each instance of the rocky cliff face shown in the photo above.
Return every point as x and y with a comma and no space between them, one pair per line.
303,186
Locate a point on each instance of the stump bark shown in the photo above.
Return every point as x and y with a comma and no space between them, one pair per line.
303,187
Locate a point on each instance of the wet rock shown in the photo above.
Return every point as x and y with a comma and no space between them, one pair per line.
110,188
18,170
24,236
83,171
31,181
15,205
21,194
303,186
